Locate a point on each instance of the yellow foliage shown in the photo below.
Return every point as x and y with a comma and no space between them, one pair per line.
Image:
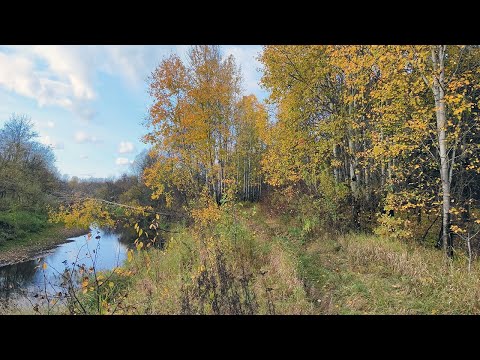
394,228
83,214
202,131
457,229
207,211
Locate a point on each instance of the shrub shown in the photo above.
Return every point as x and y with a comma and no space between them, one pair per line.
394,228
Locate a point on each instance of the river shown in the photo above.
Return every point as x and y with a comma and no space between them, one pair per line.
25,283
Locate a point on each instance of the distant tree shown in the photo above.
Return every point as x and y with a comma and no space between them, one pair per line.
27,167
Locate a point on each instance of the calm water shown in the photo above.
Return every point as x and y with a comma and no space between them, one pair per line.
22,284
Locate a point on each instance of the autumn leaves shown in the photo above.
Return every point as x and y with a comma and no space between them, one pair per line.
203,132
370,116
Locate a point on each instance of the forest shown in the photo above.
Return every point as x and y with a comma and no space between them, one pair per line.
352,189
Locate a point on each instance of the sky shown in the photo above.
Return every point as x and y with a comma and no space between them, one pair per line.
88,102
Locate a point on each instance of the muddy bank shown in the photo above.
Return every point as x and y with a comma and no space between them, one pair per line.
38,245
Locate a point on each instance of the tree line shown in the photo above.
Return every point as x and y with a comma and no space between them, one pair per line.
27,167
397,124
393,129
203,132
377,136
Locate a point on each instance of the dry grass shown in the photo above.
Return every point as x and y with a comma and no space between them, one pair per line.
427,282
251,261
350,274
367,274
281,276
229,268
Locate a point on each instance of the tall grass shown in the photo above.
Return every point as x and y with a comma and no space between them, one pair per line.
250,260
430,282
220,269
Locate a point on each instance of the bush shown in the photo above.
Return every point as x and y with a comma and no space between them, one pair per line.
323,210
394,228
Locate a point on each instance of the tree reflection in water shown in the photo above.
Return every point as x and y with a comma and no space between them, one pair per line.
15,279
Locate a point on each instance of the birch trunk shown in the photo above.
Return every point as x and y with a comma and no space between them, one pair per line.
438,57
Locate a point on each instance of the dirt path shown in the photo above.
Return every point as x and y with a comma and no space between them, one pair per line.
266,227
321,263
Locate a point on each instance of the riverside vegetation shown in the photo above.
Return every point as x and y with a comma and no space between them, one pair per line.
352,190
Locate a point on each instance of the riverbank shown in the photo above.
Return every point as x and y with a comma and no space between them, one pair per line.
258,261
29,246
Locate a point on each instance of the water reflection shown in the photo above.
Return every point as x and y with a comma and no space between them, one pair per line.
21,283
15,277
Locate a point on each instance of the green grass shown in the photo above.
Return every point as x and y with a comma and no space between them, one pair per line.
224,268
44,236
23,233
363,274
19,224
307,273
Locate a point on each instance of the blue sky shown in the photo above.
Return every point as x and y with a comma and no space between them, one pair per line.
89,102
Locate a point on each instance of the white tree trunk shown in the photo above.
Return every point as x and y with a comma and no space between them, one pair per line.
438,56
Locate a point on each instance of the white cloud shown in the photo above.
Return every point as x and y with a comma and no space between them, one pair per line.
126,61
72,64
123,161
47,140
67,75
21,73
43,124
83,157
82,137
125,147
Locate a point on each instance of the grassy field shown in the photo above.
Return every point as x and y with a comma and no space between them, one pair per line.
250,261
225,269
289,272
367,274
